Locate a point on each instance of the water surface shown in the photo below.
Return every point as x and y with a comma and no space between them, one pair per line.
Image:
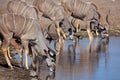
96,60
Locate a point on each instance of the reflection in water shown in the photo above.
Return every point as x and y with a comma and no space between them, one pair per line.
102,46
43,75
42,71
79,61
84,60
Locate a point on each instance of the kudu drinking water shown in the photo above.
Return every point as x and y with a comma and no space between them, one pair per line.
28,30
80,25
54,12
50,32
88,12
21,8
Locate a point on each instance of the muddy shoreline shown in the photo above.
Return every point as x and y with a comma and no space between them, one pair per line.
16,74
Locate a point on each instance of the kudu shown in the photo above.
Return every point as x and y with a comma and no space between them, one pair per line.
54,12
88,12
50,32
20,7
29,32
16,46
80,25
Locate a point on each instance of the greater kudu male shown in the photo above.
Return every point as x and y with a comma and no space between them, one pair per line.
29,32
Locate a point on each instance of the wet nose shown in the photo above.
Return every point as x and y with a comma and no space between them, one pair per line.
104,34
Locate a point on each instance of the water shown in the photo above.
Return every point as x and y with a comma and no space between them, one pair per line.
96,60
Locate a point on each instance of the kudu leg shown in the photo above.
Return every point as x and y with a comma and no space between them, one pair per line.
62,43
32,61
19,50
77,25
60,33
32,57
62,38
25,45
5,52
8,52
89,31
59,44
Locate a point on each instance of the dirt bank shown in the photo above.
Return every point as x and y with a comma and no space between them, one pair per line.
16,74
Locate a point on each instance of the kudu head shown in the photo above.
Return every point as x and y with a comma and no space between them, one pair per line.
48,55
67,28
50,59
100,25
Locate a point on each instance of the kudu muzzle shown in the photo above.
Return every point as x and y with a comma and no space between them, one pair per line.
51,59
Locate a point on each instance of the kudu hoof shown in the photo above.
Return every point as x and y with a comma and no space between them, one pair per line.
11,68
20,65
27,68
